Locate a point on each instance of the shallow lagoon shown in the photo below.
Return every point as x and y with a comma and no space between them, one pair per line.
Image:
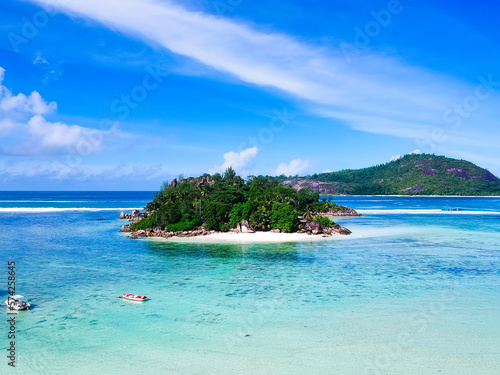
405,294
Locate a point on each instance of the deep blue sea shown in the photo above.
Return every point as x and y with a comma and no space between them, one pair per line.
413,290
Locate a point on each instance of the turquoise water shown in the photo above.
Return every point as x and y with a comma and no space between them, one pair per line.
404,294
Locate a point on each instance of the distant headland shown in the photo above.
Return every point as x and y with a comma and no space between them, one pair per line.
414,174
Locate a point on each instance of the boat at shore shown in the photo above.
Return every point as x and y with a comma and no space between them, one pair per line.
133,297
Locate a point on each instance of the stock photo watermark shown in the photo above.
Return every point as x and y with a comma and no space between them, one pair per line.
31,26
222,7
121,108
417,324
379,21
11,314
455,116
279,121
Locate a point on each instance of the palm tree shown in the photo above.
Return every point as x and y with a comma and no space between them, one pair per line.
307,215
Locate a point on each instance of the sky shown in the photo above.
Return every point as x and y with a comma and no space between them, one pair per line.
124,94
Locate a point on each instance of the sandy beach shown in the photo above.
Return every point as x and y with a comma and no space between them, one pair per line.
257,237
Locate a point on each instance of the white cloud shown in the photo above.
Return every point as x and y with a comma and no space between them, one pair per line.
23,124
20,104
237,160
414,152
295,167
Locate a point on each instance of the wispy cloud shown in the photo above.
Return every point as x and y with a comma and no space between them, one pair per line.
126,176
372,93
237,160
50,70
295,167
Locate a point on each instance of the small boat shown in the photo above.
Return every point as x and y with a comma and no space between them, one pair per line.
15,303
133,297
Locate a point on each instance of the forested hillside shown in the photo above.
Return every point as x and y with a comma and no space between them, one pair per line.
421,174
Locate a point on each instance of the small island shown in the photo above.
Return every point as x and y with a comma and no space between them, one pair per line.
227,203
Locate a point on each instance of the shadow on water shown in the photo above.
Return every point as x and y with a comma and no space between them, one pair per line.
260,251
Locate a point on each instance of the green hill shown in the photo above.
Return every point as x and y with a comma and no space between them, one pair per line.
421,174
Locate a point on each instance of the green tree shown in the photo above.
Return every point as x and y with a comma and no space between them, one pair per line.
284,217
229,174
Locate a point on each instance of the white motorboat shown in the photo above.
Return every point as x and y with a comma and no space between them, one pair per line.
15,303
133,297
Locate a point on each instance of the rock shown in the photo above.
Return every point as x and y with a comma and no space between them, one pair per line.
343,230
140,233
307,226
343,211
125,228
122,216
275,231
205,179
173,184
137,215
246,228
317,231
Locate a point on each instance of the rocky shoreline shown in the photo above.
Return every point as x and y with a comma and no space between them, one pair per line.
341,211
307,226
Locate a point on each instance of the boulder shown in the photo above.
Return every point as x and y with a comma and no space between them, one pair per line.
246,228
122,215
344,211
327,230
342,230
204,179
140,233
137,215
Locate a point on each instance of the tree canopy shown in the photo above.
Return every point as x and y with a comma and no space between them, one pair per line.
220,202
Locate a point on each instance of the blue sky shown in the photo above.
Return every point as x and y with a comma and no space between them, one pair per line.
121,95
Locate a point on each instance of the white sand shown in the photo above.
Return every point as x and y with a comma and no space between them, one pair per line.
251,237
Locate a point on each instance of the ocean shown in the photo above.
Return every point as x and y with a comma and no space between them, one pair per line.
413,290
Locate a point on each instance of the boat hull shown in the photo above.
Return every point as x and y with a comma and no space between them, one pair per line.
133,297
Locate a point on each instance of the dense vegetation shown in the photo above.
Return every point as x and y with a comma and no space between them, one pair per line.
421,174
220,202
